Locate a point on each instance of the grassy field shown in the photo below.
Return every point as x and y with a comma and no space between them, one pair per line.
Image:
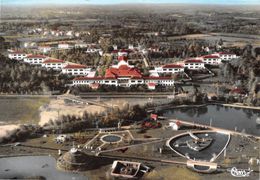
172,172
21,110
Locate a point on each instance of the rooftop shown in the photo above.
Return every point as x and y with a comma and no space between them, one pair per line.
36,56
123,71
210,56
53,61
193,61
172,66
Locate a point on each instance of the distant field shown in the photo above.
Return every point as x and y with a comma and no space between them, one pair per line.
20,110
229,38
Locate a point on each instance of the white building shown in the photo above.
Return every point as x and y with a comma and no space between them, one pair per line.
169,68
65,46
70,33
76,70
93,50
211,59
17,55
55,64
226,56
194,64
124,75
35,59
94,80
127,82
45,49
81,45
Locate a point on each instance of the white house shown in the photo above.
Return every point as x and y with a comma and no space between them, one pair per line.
35,59
45,49
211,59
70,33
76,70
17,55
55,64
93,50
194,64
169,68
65,46
226,56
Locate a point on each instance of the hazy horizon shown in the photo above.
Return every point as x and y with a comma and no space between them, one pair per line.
125,2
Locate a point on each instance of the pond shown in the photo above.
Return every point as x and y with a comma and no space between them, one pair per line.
223,117
29,166
111,138
219,142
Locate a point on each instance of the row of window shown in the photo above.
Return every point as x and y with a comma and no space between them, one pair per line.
30,59
211,59
49,64
19,55
171,69
106,81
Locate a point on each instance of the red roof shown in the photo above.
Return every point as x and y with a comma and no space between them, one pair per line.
226,53
17,52
237,91
172,66
123,71
151,84
114,51
193,61
154,116
53,61
36,56
210,56
75,66
122,58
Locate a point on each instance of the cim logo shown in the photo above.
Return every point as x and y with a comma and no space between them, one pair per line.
240,172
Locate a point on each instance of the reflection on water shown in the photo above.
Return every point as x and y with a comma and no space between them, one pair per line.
28,166
223,117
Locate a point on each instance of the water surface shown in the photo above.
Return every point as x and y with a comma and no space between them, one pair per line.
29,166
223,117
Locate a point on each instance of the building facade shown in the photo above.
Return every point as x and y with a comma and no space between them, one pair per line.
55,64
124,76
226,56
17,55
211,59
76,70
194,64
169,68
35,59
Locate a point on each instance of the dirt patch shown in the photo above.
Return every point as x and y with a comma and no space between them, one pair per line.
6,130
57,108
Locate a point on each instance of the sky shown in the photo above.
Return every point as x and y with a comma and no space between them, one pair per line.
104,2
